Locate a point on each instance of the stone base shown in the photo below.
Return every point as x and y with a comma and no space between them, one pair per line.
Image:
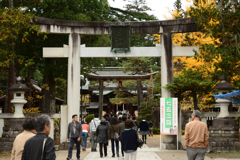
224,135
171,146
169,142
10,131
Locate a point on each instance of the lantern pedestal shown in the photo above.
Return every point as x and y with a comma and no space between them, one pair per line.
223,104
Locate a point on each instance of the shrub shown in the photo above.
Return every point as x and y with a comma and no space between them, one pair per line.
156,130
89,118
31,110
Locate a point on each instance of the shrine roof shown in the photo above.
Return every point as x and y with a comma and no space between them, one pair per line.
115,73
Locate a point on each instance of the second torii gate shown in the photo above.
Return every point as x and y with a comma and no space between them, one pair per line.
74,50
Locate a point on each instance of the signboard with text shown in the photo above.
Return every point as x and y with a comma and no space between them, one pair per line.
169,116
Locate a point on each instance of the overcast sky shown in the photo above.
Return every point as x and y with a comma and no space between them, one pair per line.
159,7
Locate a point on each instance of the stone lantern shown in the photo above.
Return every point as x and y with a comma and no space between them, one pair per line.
223,87
18,99
224,132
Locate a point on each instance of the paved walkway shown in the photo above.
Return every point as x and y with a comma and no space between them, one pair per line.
145,153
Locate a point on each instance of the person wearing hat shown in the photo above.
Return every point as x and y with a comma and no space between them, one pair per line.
196,137
144,127
102,137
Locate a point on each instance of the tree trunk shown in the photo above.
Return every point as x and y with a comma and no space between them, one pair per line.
195,100
11,81
29,84
48,101
11,73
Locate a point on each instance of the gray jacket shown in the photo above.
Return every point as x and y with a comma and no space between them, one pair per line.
78,132
102,134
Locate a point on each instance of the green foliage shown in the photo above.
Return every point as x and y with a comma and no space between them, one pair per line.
61,88
89,118
156,130
192,80
157,82
139,65
123,97
146,107
15,24
28,43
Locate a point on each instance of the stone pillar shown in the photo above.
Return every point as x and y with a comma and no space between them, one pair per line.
168,141
100,109
166,63
1,126
73,98
51,134
204,120
64,124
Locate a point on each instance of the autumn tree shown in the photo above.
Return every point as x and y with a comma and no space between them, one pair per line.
219,20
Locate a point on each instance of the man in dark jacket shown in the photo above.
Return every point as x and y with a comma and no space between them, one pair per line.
75,132
102,137
34,147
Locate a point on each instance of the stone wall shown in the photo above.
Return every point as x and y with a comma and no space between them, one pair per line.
10,131
224,135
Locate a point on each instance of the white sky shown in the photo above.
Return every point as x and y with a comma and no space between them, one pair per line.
159,7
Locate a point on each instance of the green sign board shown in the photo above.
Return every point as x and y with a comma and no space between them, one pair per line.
120,38
169,116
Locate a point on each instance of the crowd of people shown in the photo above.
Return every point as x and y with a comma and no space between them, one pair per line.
115,129
35,144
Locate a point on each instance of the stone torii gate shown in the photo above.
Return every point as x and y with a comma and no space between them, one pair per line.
74,50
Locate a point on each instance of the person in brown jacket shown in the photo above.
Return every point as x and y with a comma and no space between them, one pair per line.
19,142
122,128
196,137
114,127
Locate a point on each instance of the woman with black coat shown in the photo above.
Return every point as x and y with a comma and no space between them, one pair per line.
102,137
129,141
144,127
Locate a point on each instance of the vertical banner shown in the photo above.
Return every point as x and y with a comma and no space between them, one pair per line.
169,116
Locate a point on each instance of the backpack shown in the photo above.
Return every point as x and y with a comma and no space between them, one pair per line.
150,124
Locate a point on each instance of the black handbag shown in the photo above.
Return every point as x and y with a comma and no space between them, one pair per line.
139,142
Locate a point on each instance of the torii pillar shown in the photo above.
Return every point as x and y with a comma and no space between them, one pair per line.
73,82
